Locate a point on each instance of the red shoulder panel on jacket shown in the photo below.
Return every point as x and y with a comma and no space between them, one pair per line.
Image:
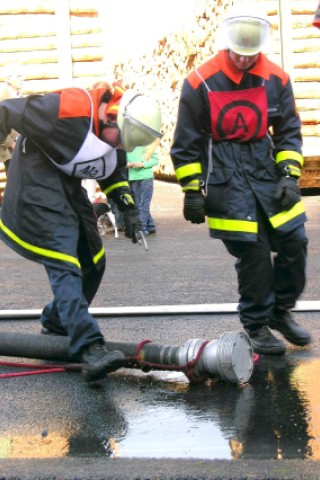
205,71
265,68
74,102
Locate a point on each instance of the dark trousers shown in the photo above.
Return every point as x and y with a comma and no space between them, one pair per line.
73,294
271,271
143,192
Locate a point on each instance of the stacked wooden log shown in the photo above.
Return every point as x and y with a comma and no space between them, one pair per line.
57,44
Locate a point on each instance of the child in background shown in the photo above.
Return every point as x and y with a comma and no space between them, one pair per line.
140,163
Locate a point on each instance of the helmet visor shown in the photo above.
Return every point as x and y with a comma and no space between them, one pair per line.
139,120
135,133
246,35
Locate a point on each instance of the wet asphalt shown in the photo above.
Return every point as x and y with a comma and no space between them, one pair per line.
154,424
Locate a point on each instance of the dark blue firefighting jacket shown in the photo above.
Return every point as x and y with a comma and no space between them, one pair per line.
236,133
44,210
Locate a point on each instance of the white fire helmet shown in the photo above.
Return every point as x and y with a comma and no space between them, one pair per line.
246,29
139,120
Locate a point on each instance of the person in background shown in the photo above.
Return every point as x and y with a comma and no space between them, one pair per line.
46,216
140,163
237,156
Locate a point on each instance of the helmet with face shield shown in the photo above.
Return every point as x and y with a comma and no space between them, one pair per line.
245,30
139,120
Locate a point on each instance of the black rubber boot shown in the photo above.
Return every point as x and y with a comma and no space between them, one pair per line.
98,362
265,343
283,322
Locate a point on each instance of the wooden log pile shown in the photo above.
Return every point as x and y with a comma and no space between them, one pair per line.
34,35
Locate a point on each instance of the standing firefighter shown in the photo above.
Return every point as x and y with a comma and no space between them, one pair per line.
237,156
46,215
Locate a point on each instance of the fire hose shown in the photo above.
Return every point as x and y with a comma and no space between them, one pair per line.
209,308
228,358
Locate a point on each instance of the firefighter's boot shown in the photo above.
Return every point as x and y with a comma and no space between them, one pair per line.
98,361
282,321
265,343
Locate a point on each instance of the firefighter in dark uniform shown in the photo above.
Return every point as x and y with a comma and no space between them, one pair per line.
237,156
46,216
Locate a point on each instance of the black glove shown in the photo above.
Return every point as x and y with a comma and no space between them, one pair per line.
287,192
194,207
132,224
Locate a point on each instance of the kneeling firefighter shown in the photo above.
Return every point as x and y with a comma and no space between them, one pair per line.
46,216
237,155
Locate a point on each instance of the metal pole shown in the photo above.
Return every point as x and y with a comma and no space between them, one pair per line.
301,306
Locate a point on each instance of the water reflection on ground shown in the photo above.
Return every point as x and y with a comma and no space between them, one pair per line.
275,416
159,414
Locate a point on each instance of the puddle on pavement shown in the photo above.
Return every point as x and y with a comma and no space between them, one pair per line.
159,414
275,416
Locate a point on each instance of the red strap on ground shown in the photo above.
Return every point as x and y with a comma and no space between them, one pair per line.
188,368
38,369
33,372
42,366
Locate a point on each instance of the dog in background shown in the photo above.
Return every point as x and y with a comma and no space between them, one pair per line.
105,216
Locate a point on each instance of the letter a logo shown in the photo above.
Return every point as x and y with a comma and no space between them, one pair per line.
239,124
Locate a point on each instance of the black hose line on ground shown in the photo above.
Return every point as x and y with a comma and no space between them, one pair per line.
230,357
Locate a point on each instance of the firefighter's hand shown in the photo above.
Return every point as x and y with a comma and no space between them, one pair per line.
194,207
288,192
132,224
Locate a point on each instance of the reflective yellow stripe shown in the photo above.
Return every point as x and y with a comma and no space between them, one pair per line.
40,251
233,225
99,255
127,198
287,215
187,170
289,155
194,185
294,171
116,185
